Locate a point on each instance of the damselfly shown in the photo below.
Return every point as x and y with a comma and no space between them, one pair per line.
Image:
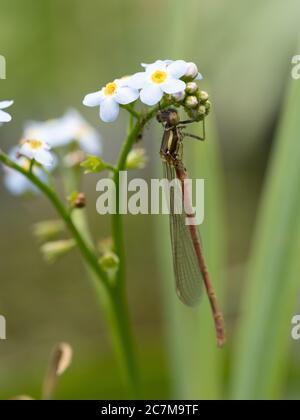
188,259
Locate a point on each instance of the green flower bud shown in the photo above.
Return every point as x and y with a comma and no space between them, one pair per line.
208,107
109,261
77,200
203,96
80,202
202,110
47,230
191,102
137,159
53,250
191,88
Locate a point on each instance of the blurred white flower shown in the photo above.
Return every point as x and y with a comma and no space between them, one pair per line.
16,183
159,78
110,97
62,131
37,150
4,116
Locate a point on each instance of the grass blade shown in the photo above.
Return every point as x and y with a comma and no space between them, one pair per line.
270,298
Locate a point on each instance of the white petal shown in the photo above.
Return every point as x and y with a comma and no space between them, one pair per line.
126,95
44,157
137,81
157,62
151,94
173,86
123,82
27,151
178,68
158,65
109,110
6,104
199,77
91,143
5,117
93,99
17,184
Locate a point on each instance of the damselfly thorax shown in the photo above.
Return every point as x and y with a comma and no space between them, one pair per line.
171,149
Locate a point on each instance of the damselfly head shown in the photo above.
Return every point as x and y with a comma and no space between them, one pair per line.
170,117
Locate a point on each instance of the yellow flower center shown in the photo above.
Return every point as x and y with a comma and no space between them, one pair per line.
35,144
159,77
110,89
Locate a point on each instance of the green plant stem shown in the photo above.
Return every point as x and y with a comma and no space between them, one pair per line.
117,225
123,336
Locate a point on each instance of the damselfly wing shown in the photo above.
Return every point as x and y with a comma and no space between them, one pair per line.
188,277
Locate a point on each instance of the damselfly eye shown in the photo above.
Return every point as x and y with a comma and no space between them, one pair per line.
160,117
169,116
173,118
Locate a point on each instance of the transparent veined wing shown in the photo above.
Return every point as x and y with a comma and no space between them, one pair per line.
188,276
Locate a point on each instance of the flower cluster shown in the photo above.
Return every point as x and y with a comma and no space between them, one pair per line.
16,183
41,139
158,80
61,132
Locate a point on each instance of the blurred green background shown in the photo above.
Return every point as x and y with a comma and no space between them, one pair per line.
56,52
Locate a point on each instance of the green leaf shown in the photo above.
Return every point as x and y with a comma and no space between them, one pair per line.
264,335
94,165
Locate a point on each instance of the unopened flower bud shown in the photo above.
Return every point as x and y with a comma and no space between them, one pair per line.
191,88
192,71
191,102
47,230
208,107
109,261
202,110
54,250
203,96
137,159
179,97
80,201
77,200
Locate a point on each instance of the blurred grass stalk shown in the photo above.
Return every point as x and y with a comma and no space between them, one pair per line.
195,362
264,335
